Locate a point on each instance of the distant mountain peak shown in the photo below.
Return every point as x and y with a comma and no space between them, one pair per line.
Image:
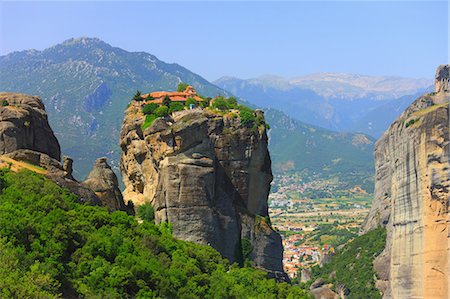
83,41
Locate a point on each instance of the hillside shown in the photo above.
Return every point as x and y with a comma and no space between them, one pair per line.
86,84
52,247
340,102
296,146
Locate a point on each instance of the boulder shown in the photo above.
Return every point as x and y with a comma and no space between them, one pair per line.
24,125
103,181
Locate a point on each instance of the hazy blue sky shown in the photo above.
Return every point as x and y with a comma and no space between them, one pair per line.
247,39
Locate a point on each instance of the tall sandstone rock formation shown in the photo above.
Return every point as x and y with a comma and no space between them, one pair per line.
412,198
209,176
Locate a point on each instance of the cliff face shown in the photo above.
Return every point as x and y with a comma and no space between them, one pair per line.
206,174
412,200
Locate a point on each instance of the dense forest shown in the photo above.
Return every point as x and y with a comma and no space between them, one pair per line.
52,246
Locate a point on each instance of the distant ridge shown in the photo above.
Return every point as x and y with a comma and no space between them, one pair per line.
86,84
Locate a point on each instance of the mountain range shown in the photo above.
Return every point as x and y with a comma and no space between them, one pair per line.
86,84
336,101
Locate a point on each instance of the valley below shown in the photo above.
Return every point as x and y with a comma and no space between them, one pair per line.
315,215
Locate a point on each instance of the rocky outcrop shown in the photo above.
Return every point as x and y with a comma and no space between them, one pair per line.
24,125
28,142
103,181
412,198
209,176
56,172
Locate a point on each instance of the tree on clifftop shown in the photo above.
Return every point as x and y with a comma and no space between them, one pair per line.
137,96
182,87
166,101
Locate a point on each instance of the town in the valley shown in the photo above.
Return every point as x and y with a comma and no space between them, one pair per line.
315,218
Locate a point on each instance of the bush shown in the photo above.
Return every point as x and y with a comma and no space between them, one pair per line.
182,87
222,103
146,212
247,116
162,111
176,106
410,123
5,103
149,98
150,108
205,103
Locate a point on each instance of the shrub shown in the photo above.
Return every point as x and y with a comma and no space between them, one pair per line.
410,123
182,87
205,103
222,103
219,103
5,103
247,116
175,106
247,249
231,102
150,108
146,212
149,98
162,111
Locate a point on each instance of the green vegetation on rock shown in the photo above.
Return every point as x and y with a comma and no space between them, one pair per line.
182,87
353,265
51,246
149,108
149,119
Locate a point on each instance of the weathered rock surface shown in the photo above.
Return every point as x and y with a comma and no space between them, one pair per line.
25,136
103,181
412,198
24,125
206,174
55,171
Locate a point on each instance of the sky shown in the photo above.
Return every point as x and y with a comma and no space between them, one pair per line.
247,39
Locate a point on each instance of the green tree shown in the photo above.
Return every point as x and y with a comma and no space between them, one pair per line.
247,116
150,108
53,246
182,87
149,97
137,96
175,106
146,212
162,111
166,101
191,101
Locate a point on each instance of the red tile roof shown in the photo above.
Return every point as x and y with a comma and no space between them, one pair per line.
175,96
